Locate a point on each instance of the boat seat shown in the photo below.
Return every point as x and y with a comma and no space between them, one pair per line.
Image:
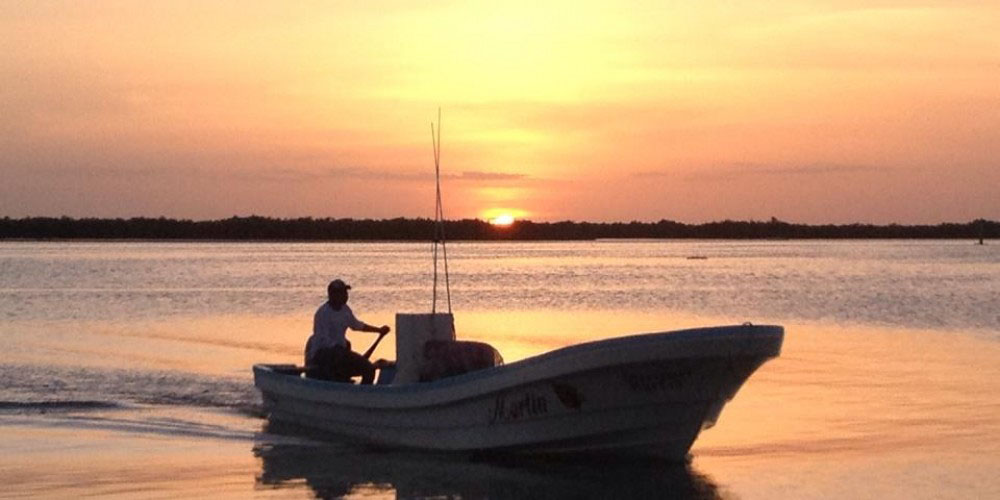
313,373
447,358
385,371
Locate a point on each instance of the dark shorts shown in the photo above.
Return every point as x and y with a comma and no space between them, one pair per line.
338,363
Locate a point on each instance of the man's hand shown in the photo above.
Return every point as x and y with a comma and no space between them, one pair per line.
384,329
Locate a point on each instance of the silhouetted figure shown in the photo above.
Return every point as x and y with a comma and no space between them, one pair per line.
328,352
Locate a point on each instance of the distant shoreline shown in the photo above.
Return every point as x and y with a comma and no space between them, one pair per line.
265,229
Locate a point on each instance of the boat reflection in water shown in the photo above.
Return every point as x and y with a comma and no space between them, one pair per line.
334,471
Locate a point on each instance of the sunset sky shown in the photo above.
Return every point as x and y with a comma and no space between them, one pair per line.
809,111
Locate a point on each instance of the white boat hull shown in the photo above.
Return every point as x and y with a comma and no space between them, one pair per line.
645,395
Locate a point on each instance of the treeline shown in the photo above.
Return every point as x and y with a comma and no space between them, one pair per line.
310,229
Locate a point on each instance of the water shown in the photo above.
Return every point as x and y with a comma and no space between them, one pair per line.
928,284
140,353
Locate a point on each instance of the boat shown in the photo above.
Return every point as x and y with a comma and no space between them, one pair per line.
647,395
641,395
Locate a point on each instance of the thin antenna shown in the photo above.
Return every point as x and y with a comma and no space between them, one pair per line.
439,237
434,240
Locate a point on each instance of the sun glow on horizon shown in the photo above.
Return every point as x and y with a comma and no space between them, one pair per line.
502,220
503,216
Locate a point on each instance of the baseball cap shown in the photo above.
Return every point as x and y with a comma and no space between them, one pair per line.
338,284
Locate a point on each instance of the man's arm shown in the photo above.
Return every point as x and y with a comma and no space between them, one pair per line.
358,325
384,329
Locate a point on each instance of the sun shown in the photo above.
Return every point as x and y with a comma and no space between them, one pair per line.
502,220
503,216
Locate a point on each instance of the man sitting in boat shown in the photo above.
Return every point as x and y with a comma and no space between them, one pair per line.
328,352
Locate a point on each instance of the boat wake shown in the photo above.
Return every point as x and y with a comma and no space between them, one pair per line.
130,402
37,388
54,406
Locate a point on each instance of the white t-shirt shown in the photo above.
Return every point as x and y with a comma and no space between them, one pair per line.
330,328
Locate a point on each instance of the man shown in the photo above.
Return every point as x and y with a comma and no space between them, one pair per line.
328,353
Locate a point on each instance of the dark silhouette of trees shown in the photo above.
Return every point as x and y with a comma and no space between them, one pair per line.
400,229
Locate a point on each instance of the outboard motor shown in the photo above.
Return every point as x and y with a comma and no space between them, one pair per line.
447,358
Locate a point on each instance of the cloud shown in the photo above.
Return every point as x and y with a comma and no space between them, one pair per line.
763,170
646,174
257,173
488,176
740,170
380,173
812,169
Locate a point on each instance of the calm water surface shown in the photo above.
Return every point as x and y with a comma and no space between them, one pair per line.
126,365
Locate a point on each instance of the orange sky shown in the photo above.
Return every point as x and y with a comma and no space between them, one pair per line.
823,111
